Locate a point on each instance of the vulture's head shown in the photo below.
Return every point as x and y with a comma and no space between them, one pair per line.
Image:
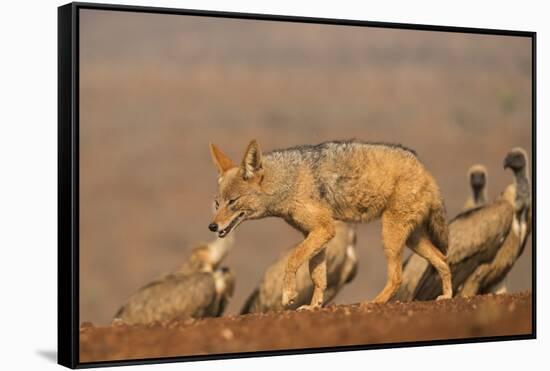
219,248
200,259
207,257
516,160
477,175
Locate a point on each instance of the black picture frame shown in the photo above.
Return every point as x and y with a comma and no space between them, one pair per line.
68,178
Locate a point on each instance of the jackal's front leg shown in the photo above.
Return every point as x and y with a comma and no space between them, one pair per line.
318,274
309,249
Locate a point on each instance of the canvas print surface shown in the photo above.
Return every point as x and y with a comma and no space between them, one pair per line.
252,185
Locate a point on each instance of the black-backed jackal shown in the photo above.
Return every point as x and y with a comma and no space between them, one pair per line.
312,186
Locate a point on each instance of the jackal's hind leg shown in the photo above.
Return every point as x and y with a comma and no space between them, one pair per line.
394,236
426,249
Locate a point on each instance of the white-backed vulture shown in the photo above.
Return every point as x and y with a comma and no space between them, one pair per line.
489,275
341,269
197,289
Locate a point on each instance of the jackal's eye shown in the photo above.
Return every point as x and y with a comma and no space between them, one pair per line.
216,204
232,201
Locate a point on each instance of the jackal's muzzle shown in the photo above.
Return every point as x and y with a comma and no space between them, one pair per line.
224,231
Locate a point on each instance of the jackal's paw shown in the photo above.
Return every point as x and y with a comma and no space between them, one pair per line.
308,308
117,322
367,304
289,297
441,297
378,300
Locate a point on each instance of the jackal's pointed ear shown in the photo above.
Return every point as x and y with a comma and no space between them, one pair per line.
252,160
222,162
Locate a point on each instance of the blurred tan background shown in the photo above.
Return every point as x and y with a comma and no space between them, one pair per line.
155,89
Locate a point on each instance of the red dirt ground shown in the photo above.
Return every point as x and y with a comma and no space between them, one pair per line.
488,315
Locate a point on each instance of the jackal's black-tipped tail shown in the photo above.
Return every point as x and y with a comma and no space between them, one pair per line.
438,229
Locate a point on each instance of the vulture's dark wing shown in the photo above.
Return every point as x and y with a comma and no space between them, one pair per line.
251,302
126,309
173,297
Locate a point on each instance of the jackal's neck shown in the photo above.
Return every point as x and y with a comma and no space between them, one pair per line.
278,184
